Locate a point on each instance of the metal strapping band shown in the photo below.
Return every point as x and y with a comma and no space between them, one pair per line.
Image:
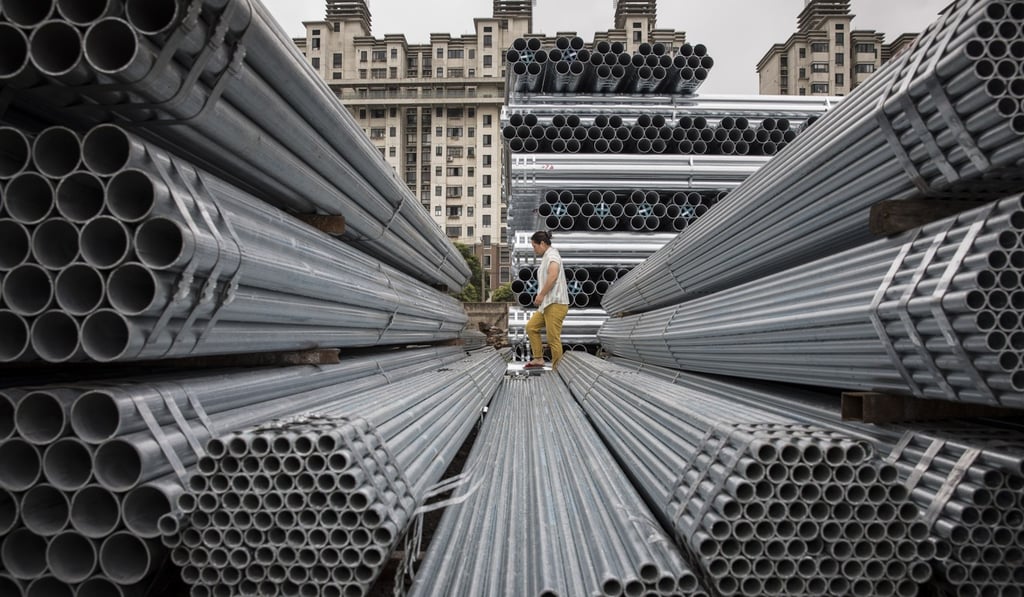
876,318
950,484
227,295
710,435
945,326
179,420
161,439
925,463
909,326
897,450
197,408
187,274
893,140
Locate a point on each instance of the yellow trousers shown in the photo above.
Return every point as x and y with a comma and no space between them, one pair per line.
549,320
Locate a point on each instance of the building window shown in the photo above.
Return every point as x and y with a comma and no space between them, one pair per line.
636,25
485,201
487,140
471,131
393,132
315,43
487,159
377,133
471,152
819,47
469,211
840,39
454,192
840,59
488,41
438,131
437,171
393,72
440,52
362,112
784,81
840,80
362,56
362,73
803,73
487,180
380,56
470,171
454,73
839,27
378,73
438,190
336,60
865,67
453,231
337,27
392,151
377,113
439,150
866,49
469,231
454,171
440,72
819,87
803,91
638,36
437,210
316,63
470,192
819,67
485,220
394,53
487,120
488,61
455,131
487,258
455,211
455,112
488,29
784,61
454,53
802,52
335,75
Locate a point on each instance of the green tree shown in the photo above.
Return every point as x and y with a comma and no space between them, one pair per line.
503,293
471,293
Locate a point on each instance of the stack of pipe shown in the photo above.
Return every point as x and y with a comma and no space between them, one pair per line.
635,211
799,111
586,285
314,505
539,479
761,504
595,249
242,102
569,67
647,134
946,110
966,477
934,312
117,250
85,477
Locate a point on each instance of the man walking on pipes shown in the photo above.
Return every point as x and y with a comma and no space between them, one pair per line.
552,302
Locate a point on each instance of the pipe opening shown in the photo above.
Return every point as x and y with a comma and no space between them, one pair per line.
28,290
124,558
45,510
55,243
105,242
95,512
67,464
29,198
159,243
24,554
118,465
143,508
106,149
13,59
57,151
111,45
79,197
55,337
55,47
72,557
39,418
106,335
15,244
131,195
79,289
83,12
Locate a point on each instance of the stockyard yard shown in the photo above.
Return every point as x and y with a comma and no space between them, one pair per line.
245,349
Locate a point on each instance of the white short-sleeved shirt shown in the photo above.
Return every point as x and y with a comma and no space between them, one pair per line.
560,291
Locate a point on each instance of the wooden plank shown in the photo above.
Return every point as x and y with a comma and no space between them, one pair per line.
874,407
333,225
894,216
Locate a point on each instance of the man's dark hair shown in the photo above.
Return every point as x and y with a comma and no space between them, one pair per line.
541,236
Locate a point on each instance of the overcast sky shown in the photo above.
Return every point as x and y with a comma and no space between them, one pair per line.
736,32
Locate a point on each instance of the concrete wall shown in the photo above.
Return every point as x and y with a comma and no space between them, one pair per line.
490,314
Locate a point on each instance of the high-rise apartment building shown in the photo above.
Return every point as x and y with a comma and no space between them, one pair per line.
434,109
826,55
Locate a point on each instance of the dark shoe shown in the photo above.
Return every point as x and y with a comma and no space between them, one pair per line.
533,366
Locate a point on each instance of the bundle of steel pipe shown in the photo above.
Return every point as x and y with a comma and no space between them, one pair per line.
944,109
315,504
965,476
126,252
86,471
934,312
636,210
761,504
586,284
538,476
800,111
647,133
593,249
569,67
245,106
521,350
